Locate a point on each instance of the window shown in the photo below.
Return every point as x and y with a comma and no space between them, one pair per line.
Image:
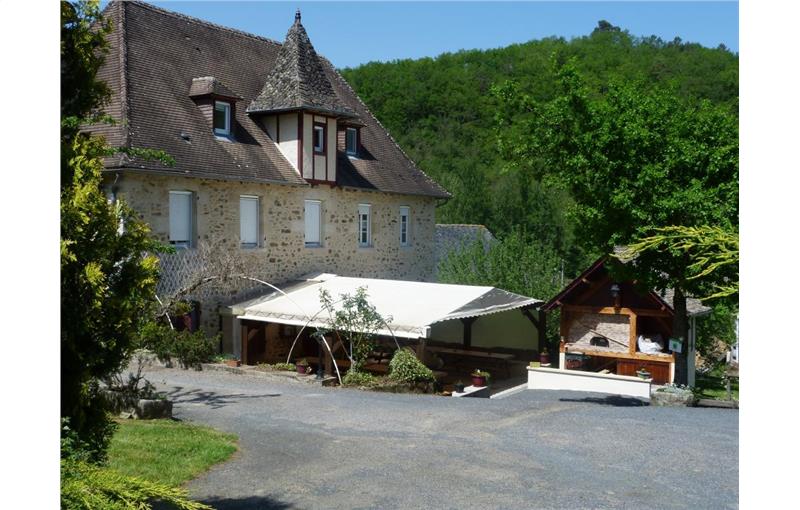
248,221
312,215
222,118
180,219
351,141
364,229
404,213
319,138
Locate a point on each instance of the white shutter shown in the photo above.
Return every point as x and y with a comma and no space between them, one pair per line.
364,227
312,215
180,218
248,221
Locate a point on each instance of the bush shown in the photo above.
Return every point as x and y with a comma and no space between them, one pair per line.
190,349
405,367
356,378
86,486
289,367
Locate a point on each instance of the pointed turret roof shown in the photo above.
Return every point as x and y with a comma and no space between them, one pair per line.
298,80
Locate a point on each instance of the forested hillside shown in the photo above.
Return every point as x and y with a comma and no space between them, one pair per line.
442,112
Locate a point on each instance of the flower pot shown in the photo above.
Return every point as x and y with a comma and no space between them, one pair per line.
233,363
459,387
644,374
479,381
544,358
302,369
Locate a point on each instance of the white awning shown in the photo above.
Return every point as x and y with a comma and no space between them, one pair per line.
410,308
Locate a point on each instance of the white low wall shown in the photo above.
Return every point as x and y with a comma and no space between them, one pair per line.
541,378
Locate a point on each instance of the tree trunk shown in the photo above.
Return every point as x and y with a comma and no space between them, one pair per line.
680,330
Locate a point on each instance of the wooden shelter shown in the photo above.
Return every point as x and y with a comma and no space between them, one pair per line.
611,325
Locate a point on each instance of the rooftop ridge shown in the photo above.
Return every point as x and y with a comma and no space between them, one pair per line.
199,21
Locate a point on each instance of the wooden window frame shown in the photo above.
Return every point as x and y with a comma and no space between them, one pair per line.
324,128
228,108
347,151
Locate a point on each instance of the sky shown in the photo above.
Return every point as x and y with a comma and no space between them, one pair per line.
353,33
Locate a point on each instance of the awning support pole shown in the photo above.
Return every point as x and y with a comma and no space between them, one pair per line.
467,321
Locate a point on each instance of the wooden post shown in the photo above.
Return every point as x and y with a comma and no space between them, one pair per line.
421,349
632,346
467,321
244,342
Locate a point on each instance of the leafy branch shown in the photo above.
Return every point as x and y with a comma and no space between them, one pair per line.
711,251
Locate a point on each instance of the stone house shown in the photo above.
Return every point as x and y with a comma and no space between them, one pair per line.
277,160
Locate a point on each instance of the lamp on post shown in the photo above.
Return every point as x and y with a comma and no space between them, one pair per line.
616,294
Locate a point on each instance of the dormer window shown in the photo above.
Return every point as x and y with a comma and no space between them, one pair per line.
351,141
222,118
319,138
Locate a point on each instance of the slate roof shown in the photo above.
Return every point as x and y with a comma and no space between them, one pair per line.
298,79
155,56
454,236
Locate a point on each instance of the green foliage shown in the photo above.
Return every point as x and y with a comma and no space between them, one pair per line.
148,449
406,367
290,367
443,115
517,262
86,486
358,379
82,51
481,373
190,349
715,328
356,321
108,271
712,254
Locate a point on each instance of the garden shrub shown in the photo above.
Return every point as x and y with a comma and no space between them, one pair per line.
86,486
276,367
356,378
190,349
405,367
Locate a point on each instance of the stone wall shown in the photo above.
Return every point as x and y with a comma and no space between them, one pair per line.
282,254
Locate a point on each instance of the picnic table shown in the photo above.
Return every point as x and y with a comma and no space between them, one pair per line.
469,359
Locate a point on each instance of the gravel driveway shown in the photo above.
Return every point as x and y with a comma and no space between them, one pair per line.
308,447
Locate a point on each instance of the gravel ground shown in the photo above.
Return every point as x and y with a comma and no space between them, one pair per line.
309,447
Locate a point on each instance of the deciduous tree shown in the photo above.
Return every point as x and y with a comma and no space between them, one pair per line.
633,158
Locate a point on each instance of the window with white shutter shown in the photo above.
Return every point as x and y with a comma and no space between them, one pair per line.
364,227
313,209
248,221
180,219
404,225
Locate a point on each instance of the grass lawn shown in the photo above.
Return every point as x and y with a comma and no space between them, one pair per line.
712,385
167,451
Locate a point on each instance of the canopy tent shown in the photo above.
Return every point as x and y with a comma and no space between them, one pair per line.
410,308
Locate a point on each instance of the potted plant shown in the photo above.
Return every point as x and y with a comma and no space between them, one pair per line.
458,387
480,378
302,367
231,361
544,357
643,373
